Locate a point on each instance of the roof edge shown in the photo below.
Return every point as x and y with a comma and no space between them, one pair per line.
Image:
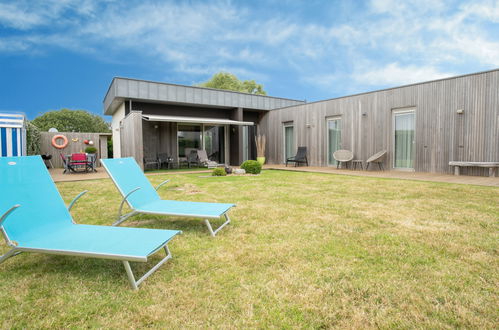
392,88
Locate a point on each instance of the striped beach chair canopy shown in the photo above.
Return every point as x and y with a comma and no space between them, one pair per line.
12,135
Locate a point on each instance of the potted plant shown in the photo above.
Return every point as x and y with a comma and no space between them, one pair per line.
90,150
260,149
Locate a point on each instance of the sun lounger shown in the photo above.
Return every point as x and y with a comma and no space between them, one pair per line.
140,195
35,219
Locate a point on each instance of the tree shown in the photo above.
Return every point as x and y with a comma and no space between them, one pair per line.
32,139
66,120
228,81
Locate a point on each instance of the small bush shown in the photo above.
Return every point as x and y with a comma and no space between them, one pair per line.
32,139
90,150
252,166
219,171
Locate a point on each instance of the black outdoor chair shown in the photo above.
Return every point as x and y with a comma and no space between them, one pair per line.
164,158
300,158
151,162
190,159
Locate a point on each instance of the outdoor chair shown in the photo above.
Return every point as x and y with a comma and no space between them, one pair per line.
151,162
79,161
377,158
342,156
65,163
92,162
204,160
140,195
164,158
35,219
191,159
299,158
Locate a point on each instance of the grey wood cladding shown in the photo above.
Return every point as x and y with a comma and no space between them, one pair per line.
131,132
442,133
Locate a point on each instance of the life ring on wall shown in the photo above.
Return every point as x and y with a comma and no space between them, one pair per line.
64,141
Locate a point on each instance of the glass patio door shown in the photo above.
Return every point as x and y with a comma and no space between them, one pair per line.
404,143
189,138
214,143
289,141
333,139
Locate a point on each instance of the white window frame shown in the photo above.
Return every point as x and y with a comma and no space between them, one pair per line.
396,112
328,119
284,126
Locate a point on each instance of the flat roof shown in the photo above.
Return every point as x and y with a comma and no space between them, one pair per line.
197,120
122,89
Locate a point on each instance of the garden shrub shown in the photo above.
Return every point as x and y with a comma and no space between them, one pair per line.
90,150
219,171
32,139
252,166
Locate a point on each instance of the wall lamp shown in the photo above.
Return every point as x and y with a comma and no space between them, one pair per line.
460,111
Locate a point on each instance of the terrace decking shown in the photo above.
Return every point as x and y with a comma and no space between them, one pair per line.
419,176
57,175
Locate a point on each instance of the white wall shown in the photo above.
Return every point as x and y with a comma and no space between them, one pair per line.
118,115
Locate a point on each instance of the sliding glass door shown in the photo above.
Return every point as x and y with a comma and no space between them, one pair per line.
189,138
289,141
214,143
200,136
333,139
404,143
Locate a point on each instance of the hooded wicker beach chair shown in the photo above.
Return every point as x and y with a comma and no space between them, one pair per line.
35,219
142,197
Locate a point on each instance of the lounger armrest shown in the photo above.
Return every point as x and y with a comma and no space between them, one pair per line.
6,214
162,183
76,199
2,230
124,200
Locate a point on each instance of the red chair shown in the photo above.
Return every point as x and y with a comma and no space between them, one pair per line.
79,160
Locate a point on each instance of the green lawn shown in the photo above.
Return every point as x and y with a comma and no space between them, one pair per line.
304,250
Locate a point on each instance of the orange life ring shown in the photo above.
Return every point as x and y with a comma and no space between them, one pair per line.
64,141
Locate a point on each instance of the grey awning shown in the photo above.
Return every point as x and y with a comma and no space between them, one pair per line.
197,120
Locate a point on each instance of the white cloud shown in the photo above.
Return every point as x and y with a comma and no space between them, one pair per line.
394,42
395,74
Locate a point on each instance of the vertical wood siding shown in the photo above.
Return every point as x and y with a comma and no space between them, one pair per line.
441,134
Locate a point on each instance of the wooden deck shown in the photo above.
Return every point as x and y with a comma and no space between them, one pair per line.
58,176
420,176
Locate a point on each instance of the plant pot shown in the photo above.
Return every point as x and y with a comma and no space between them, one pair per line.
261,160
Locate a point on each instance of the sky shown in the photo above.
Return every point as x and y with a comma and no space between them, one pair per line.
64,53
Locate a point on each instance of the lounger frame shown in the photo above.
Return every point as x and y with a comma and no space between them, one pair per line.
15,250
123,217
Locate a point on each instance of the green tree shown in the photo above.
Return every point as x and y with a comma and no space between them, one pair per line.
32,139
66,120
228,81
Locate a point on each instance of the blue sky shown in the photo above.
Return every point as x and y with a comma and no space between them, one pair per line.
64,53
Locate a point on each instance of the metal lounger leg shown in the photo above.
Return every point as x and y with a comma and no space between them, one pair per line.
11,253
135,284
124,217
214,232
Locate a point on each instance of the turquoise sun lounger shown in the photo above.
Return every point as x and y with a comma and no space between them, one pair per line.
140,195
35,219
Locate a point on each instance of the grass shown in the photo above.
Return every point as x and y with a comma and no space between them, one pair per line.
173,170
304,251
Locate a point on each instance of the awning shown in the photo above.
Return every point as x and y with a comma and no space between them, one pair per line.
197,120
